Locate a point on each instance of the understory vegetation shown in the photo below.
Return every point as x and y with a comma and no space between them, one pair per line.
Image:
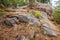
13,3
56,16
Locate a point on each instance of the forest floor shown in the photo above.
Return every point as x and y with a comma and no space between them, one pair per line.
25,29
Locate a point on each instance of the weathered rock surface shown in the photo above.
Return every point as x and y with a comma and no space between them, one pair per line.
22,38
22,18
49,31
44,15
34,21
48,27
11,21
46,22
29,18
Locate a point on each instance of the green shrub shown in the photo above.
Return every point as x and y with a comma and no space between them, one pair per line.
56,16
37,14
13,3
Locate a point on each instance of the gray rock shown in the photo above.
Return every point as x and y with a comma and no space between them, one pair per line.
10,22
35,23
28,18
46,22
48,27
22,38
44,15
25,18
33,20
22,18
49,31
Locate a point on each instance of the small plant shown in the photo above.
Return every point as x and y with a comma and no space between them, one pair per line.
37,14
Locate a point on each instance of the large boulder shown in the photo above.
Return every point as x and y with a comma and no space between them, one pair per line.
29,18
22,18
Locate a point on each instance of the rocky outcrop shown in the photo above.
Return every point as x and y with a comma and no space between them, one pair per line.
24,18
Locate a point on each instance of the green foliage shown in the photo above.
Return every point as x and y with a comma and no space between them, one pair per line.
13,3
44,1
31,0
1,12
21,3
57,8
56,16
37,14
